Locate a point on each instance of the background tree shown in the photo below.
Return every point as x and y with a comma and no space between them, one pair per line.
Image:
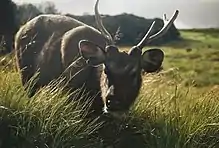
132,27
26,12
8,24
48,7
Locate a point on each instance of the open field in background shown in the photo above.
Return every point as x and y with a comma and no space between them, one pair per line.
177,108
196,57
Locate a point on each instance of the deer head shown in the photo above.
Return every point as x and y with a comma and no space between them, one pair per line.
121,76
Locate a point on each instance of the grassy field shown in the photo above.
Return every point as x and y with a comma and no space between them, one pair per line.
177,108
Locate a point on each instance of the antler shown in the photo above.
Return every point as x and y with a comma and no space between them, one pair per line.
99,22
167,24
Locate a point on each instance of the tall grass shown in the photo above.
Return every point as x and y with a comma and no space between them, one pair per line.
46,120
178,116
167,113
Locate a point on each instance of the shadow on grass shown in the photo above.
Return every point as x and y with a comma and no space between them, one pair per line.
114,133
27,130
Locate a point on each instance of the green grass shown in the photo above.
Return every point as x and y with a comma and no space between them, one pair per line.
177,108
200,65
47,119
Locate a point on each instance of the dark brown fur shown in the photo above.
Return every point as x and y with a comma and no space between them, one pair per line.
49,44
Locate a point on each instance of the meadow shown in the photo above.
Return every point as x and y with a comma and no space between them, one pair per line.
177,107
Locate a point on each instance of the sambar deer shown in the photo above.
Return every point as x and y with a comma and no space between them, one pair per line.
49,44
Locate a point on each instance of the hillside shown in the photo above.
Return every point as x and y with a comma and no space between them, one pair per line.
132,27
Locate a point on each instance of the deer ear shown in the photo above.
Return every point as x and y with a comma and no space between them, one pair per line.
152,60
93,54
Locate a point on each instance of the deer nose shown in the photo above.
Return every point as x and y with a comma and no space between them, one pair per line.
113,104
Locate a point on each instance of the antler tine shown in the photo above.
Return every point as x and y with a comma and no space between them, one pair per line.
99,23
146,37
165,28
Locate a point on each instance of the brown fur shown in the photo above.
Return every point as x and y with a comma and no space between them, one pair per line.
50,35
49,44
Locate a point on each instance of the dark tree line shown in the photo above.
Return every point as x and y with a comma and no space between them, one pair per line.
132,28
8,23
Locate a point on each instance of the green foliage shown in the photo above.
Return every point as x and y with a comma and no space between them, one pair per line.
44,120
201,63
195,57
178,116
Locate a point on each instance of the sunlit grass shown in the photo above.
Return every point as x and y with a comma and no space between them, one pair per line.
45,119
196,57
178,116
